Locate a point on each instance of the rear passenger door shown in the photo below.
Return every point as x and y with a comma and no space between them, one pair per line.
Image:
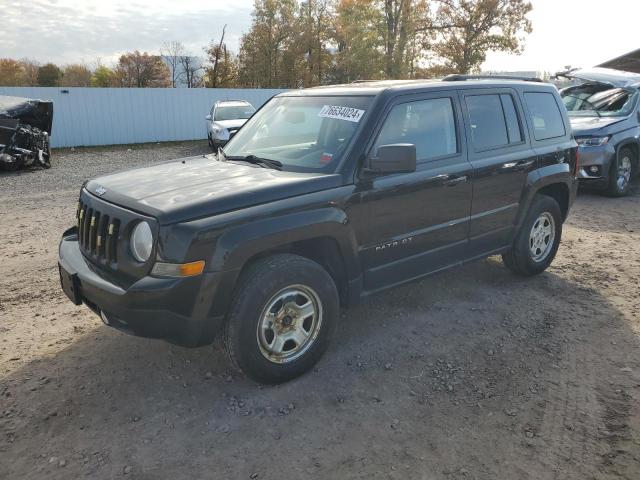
502,157
418,221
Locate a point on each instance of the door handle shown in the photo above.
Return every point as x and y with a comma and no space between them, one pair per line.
518,166
454,180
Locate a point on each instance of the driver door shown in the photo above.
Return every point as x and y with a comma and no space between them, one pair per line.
418,222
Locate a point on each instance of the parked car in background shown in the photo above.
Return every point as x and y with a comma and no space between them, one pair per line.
25,126
225,120
325,197
605,118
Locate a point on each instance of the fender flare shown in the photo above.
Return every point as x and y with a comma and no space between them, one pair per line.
540,178
238,245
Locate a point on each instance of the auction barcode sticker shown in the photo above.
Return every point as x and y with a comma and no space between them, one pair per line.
341,113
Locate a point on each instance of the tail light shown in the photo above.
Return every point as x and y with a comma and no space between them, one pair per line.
577,162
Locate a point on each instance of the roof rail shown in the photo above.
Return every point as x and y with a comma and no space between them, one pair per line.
456,77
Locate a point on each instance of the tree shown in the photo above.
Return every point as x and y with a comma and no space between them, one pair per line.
49,75
173,54
314,21
142,70
103,77
191,71
76,75
468,29
359,53
30,72
268,51
11,73
222,71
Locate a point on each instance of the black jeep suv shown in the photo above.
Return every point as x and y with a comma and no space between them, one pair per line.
323,197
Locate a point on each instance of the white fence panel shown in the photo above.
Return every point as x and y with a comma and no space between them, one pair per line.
111,116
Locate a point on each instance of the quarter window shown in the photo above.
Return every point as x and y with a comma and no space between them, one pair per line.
428,124
545,114
510,115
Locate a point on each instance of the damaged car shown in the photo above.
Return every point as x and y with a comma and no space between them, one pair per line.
603,106
25,127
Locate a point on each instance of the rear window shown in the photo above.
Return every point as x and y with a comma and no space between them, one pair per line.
545,114
494,121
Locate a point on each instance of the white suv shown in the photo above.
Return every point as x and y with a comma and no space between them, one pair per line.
225,119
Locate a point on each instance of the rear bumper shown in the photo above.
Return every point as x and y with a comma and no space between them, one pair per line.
176,309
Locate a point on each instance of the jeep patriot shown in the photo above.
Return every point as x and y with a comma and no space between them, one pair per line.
324,197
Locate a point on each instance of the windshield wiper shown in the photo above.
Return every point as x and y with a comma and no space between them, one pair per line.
265,162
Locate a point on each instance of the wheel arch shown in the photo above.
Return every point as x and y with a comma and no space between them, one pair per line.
634,145
560,193
324,236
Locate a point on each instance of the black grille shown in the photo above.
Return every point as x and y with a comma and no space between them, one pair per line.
97,233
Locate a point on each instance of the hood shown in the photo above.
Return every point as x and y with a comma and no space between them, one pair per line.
237,123
37,113
592,125
608,76
197,187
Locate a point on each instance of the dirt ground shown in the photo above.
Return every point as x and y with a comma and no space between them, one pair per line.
471,374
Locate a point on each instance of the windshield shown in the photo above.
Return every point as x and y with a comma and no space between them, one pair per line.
233,112
599,100
305,134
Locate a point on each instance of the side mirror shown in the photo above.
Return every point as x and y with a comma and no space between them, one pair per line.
395,158
208,118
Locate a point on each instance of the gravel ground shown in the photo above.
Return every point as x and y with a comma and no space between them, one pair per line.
471,374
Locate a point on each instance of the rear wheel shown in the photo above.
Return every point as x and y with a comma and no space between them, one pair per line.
620,174
281,319
536,244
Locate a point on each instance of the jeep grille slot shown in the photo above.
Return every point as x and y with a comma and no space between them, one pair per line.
97,234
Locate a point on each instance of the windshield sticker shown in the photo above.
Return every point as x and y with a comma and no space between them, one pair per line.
326,158
341,113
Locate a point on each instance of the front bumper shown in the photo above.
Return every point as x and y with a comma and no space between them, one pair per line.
595,163
176,309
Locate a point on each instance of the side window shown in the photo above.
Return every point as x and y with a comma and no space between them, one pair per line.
545,114
510,115
428,124
488,127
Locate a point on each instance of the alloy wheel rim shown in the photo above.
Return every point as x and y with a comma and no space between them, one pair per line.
289,324
541,237
624,172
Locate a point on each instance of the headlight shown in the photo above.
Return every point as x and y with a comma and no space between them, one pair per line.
592,141
219,132
141,242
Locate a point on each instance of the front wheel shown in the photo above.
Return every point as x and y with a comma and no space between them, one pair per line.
537,242
282,317
620,174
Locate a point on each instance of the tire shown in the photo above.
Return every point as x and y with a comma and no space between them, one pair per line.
210,141
267,334
620,173
537,241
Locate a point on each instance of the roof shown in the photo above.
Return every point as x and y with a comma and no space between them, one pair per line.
375,87
232,102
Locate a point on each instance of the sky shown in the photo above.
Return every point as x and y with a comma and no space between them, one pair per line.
580,33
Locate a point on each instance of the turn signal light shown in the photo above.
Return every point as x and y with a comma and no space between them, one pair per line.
191,269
